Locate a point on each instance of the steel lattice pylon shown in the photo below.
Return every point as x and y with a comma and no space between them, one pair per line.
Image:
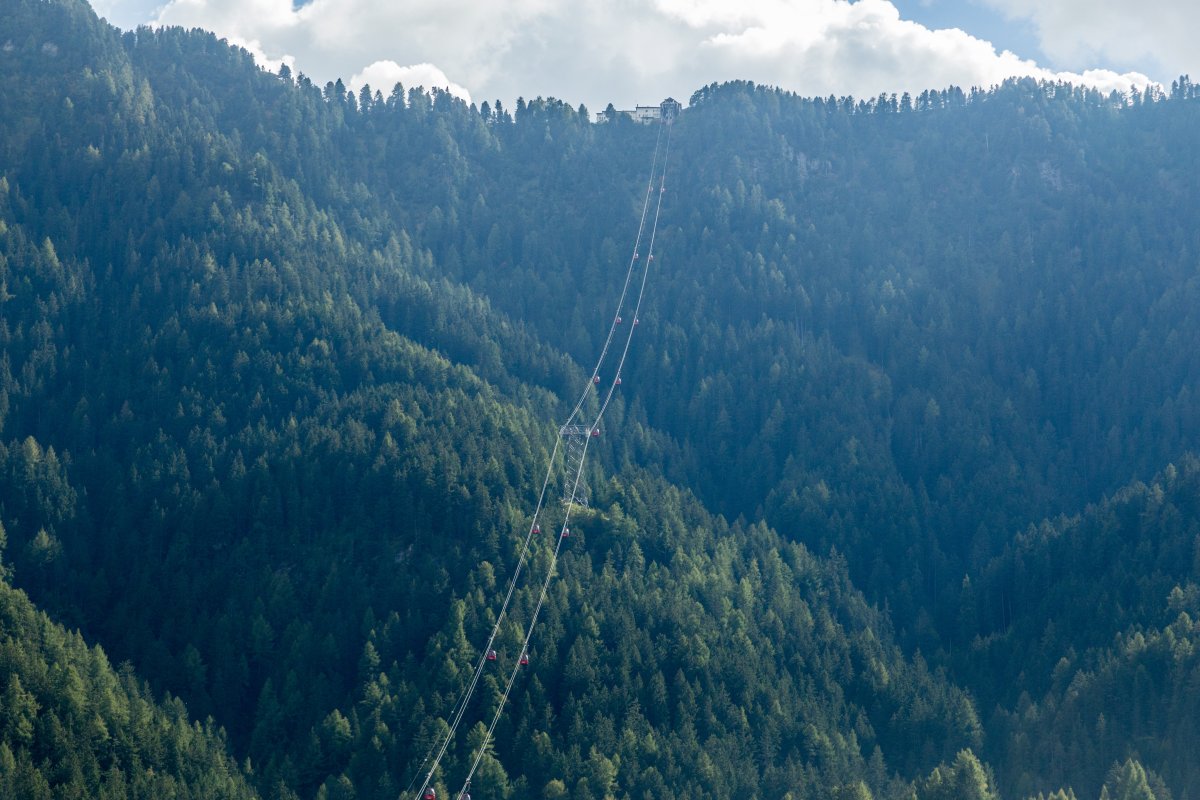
575,442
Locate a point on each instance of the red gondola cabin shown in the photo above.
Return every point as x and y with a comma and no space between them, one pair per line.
429,794
491,656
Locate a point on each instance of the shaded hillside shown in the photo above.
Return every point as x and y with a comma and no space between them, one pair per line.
281,365
72,726
1110,599
910,329
262,486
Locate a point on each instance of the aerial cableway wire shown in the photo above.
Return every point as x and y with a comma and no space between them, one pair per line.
460,707
579,472
633,261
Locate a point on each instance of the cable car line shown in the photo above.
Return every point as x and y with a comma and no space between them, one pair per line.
633,260
578,474
488,653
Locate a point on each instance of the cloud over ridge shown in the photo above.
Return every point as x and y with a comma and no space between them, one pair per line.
623,51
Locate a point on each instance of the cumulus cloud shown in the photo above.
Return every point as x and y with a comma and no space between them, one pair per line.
623,51
383,75
1077,33
329,39
862,48
255,48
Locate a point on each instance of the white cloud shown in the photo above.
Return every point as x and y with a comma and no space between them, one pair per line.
1078,33
261,58
862,48
384,75
624,51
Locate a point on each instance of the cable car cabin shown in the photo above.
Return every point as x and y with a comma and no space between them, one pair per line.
650,257
465,796
537,528
618,320
636,255
618,380
524,659
595,433
566,532
491,656
596,379
429,794
635,322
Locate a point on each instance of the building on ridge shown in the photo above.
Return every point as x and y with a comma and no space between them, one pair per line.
644,115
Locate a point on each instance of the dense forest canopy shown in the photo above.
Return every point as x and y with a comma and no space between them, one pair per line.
896,499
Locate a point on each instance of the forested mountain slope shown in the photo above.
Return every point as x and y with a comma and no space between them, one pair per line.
71,726
285,361
1110,596
256,488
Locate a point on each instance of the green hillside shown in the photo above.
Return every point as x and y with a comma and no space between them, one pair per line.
282,365
1110,597
72,726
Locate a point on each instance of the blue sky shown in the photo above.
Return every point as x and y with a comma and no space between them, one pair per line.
637,51
986,22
